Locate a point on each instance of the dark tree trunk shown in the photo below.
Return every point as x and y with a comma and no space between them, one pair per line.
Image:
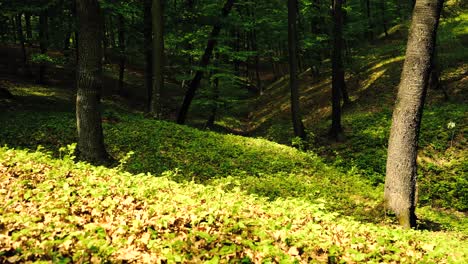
12,28
399,10
293,83
214,98
345,95
400,180
121,31
370,26
27,19
19,28
336,130
68,33
76,33
237,48
158,57
148,46
195,83
43,42
384,19
89,83
105,40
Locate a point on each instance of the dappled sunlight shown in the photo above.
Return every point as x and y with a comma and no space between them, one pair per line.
386,62
371,80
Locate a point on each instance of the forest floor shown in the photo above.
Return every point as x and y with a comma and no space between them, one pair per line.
226,197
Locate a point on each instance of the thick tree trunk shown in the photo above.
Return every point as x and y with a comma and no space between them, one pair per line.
293,83
336,130
158,57
89,83
122,48
148,46
400,180
195,83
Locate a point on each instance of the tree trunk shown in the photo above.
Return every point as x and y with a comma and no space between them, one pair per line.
158,57
68,33
337,71
384,19
27,19
89,83
105,39
400,180
19,28
195,83
370,27
214,97
12,28
293,83
148,46
43,42
121,33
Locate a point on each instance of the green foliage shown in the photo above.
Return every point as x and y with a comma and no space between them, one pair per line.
72,212
40,58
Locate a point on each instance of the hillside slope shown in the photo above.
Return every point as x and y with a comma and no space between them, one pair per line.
373,73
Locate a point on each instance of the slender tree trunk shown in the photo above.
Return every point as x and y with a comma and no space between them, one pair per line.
293,83
43,41
215,97
105,39
27,19
384,19
257,51
89,83
399,10
24,55
237,49
345,95
400,180
195,83
75,31
370,26
158,57
148,46
12,28
122,48
337,71
68,33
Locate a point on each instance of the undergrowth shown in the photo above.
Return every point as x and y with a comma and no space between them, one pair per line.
61,211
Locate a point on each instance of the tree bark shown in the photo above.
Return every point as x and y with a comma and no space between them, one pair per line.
195,83
27,19
336,130
43,41
215,96
158,57
122,49
148,46
384,19
89,83
400,180
370,27
293,83
19,28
